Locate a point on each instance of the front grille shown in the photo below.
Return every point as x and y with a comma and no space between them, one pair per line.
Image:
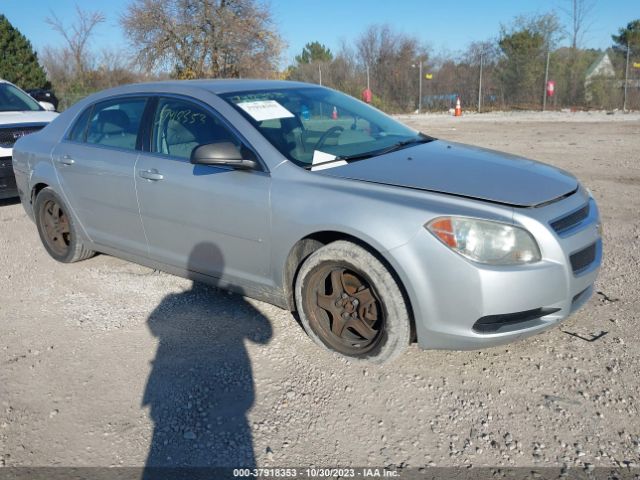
7,183
565,223
583,258
10,135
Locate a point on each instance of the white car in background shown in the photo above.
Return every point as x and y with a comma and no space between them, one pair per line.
20,115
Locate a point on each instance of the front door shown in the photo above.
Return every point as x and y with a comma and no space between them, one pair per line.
207,219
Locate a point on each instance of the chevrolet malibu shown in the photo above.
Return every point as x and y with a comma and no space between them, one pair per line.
308,199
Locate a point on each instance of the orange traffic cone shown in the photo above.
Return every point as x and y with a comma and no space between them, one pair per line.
334,114
458,111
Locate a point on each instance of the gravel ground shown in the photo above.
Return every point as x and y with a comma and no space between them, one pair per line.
108,363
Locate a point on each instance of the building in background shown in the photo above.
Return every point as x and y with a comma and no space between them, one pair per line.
599,76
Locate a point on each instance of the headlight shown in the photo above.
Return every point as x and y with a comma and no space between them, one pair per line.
485,241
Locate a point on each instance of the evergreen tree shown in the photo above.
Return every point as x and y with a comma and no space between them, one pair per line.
18,62
314,52
627,36
522,66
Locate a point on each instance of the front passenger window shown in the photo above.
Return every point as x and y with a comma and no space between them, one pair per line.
180,126
115,123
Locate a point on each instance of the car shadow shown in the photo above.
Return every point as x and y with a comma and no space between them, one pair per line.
201,386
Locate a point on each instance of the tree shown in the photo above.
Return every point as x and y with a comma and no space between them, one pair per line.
391,57
77,36
578,12
547,25
19,63
314,52
203,38
569,66
522,66
75,69
627,36
524,46
477,54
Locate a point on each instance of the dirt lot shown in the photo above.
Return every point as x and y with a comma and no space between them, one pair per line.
108,363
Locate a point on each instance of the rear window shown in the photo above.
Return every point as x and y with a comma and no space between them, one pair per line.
115,123
79,130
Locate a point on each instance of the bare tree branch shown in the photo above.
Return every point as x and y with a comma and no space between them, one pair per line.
77,35
579,12
204,38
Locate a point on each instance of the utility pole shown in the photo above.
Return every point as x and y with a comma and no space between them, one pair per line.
480,84
320,73
368,77
546,79
626,79
420,89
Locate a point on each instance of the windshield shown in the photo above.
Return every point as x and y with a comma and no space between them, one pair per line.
315,125
13,99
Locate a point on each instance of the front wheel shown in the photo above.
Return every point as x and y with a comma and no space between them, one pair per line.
57,229
349,302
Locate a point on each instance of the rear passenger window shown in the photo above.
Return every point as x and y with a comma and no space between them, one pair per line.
77,133
115,123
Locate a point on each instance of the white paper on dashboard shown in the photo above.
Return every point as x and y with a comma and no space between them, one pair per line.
265,110
320,157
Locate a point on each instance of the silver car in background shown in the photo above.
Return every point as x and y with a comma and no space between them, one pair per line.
311,200
20,115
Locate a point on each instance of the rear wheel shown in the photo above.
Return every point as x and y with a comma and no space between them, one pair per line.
349,302
57,229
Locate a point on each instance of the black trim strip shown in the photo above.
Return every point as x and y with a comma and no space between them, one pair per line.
493,323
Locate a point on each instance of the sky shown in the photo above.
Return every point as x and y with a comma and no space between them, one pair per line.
445,26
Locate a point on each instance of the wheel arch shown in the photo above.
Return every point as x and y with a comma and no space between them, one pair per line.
314,241
37,188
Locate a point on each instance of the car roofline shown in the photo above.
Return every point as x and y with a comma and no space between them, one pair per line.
216,87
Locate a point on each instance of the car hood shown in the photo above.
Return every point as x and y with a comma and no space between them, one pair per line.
11,118
463,170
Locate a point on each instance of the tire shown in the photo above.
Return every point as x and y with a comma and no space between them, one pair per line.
349,303
58,229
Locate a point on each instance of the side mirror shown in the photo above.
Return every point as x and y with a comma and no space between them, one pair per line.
221,154
47,106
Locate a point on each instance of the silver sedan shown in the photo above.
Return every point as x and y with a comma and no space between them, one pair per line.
298,195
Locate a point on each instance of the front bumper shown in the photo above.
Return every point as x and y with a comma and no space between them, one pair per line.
450,294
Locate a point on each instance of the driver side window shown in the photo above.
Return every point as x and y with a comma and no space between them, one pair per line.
180,126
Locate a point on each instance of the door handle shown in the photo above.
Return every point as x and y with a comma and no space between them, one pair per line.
151,175
66,160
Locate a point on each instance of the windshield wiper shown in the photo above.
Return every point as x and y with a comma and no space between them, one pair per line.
421,138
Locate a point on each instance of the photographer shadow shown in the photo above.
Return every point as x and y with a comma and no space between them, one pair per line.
201,385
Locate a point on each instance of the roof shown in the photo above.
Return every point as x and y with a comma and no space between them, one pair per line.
217,86
602,58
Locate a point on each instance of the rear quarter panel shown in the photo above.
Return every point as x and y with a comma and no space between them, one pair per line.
32,163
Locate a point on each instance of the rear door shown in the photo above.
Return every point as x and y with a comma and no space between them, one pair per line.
208,219
96,164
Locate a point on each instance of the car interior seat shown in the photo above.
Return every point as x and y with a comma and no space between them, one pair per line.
112,128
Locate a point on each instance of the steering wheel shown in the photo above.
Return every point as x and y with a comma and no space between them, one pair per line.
326,135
